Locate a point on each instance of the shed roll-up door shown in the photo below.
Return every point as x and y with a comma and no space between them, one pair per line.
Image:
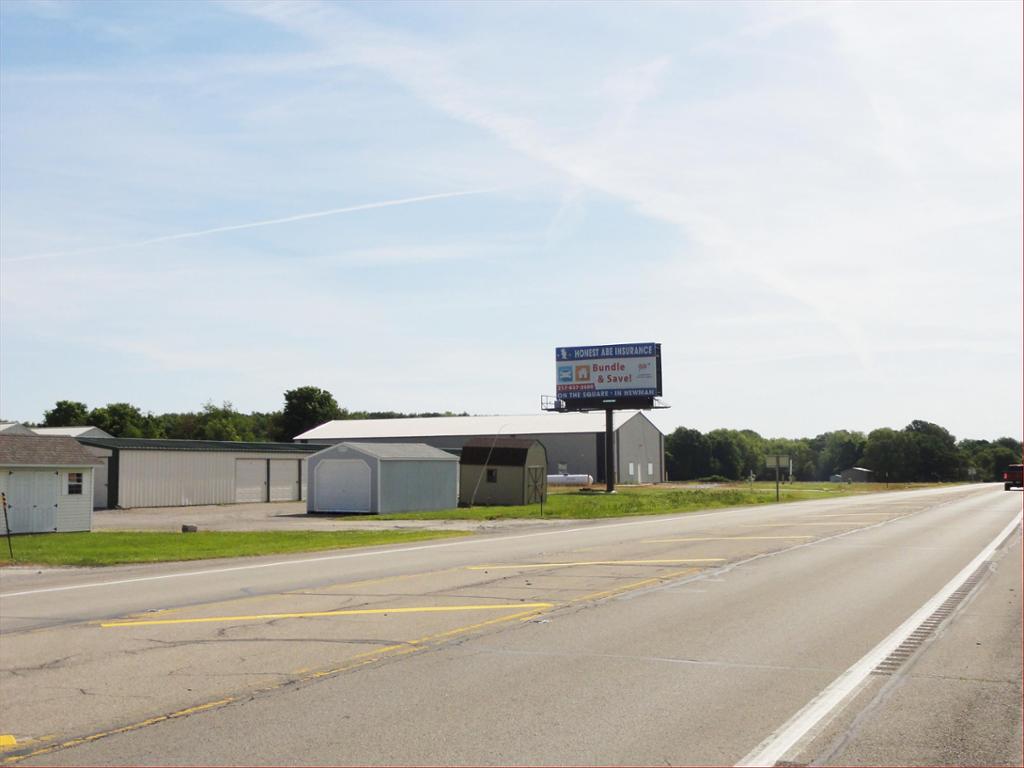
342,485
250,479
284,479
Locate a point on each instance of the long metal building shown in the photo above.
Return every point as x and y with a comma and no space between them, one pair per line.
574,441
138,472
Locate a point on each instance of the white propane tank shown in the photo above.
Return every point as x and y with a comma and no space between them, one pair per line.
570,480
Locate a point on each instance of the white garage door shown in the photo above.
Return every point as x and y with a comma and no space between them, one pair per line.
250,479
284,479
32,501
341,485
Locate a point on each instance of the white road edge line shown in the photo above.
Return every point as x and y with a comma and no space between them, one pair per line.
375,553
772,749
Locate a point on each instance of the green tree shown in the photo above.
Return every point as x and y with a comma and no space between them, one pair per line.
726,453
305,408
997,460
223,422
891,455
841,450
936,451
687,454
67,413
120,420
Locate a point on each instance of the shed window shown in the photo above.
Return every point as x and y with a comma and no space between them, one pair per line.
650,469
492,475
74,483
631,469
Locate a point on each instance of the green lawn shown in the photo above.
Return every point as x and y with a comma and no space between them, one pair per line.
649,500
119,547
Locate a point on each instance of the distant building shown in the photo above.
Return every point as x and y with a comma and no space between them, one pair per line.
574,441
75,432
138,472
14,428
856,475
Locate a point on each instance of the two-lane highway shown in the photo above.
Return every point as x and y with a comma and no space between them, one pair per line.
810,632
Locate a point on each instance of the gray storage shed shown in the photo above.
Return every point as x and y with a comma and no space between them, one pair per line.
382,478
502,470
47,482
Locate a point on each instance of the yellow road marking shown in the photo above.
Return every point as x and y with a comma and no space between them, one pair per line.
303,592
122,729
634,586
361,660
314,614
595,562
7,741
723,538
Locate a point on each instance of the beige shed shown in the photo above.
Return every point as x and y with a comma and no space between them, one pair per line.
502,470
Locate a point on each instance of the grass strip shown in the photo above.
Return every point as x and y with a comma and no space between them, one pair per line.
647,500
122,547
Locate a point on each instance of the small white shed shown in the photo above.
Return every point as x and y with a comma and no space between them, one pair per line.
382,478
47,482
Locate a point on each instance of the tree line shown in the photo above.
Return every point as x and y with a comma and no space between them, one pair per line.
920,452
304,408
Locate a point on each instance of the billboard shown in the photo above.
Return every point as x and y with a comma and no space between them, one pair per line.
592,376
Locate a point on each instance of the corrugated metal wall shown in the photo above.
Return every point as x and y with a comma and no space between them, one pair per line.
418,485
179,478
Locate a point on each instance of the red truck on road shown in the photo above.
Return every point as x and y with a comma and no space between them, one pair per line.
1013,477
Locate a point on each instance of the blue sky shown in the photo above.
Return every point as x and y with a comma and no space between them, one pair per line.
815,208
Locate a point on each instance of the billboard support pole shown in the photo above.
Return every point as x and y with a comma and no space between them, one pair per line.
609,447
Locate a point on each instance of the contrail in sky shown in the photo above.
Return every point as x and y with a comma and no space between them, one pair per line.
250,225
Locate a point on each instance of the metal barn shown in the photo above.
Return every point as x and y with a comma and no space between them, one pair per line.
138,472
502,470
382,478
47,482
574,441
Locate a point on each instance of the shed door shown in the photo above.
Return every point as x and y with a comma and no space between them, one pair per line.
341,485
250,479
99,485
32,498
284,479
536,484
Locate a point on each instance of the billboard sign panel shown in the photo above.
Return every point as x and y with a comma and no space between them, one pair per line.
589,375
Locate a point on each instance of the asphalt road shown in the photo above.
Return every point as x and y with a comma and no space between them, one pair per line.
881,629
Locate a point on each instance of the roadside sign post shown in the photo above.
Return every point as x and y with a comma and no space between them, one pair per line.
776,461
7,526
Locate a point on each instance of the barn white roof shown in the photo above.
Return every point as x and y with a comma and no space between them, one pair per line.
440,426
71,432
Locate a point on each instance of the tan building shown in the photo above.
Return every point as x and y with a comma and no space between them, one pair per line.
502,470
